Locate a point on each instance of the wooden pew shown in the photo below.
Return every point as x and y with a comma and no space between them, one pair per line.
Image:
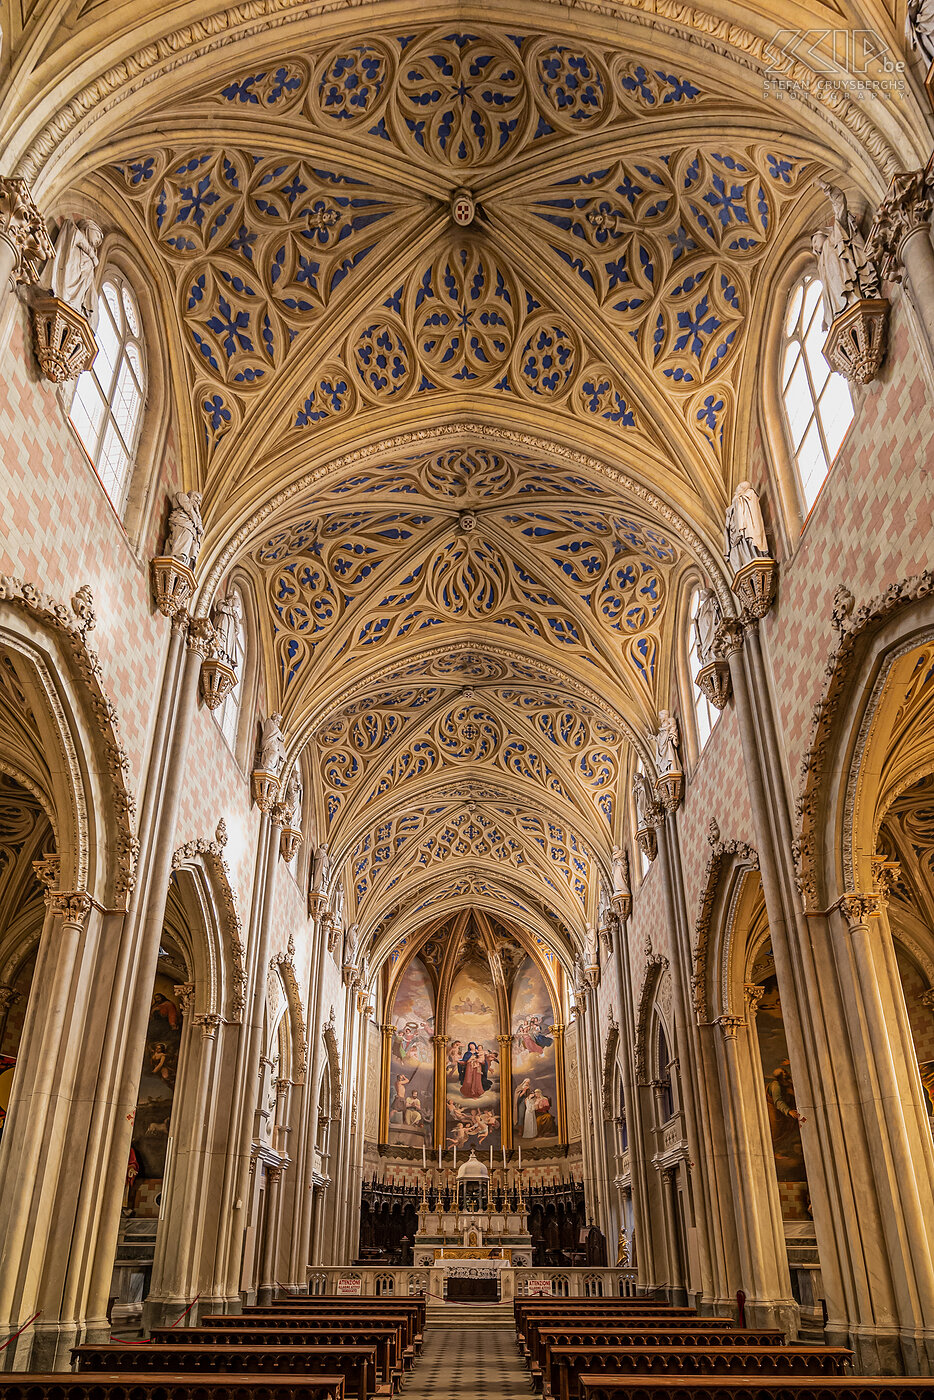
594,1307
612,1334
24,1385
413,1309
387,1338
566,1364
357,1364
660,1331
747,1388
331,1316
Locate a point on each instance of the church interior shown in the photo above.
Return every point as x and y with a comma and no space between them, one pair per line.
466,699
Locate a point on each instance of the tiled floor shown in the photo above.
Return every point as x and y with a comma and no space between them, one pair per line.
470,1351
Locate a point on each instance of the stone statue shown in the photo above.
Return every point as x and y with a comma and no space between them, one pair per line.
365,972
271,745
321,869
621,872
293,795
351,944
590,947
227,617
667,742
919,26
744,533
186,530
706,622
72,271
622,1250
645,802
846,273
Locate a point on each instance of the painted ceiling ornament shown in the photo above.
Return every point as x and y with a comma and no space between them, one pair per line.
466,522
463,207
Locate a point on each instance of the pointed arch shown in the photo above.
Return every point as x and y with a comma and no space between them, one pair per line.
218,958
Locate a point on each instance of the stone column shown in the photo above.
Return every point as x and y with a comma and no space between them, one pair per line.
45,1128
387,1031
900,238
303,1224
267,1275
635,1136
505,1088
560,1069
676,1263
24,239
440,1043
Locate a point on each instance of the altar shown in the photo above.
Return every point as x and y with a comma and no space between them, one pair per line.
472,1249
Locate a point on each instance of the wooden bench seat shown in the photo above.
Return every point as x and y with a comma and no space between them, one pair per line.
182,1385
357,1364
749,1388
596,1307
386,1338
611,1335
412,1310
566,1363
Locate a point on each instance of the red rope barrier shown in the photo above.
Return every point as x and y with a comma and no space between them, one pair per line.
20,1332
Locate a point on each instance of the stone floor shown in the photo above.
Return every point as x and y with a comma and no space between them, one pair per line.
470,1349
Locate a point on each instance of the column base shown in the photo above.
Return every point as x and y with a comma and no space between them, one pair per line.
766,1313
882,1351
266,1294
51,1346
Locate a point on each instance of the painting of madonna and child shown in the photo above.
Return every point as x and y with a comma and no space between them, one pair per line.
534,1068
411,1067
472,1074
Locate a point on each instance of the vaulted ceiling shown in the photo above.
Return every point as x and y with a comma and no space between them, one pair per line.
463,322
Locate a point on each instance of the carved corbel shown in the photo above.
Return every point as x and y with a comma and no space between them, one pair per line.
173,584
647,841
290,838
713,682
754,585
62,339
856,341
217,681
8,997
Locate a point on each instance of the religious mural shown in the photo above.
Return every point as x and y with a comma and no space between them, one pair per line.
156,1094
411,1067
534,1070
779,1091
472,1073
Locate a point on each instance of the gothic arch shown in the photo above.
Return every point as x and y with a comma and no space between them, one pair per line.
332,1068
60,741
655,970
730,868
295,1041
855,766
217,953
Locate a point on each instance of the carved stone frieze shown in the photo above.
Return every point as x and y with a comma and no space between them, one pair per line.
23,228
63,341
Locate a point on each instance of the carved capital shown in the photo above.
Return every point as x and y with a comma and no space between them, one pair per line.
728,638
753,993
885,875
504,1040
8,997
729,1025
202,636
185,991
72,907
47,869
858,908
907,207
273,1175
209,1022
926,999
24,229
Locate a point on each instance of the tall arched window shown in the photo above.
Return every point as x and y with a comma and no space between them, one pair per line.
817,402
227,713
705,715
107,405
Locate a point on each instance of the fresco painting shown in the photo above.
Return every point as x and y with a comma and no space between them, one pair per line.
473,1076
778,1088
156,1094
411,1069
534,1066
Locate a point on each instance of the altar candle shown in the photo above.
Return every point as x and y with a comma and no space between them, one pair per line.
439,1158
491,1156
520,1159
504,1159
424,1163
455,1158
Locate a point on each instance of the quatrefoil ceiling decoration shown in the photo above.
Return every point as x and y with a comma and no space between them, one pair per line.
616,242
